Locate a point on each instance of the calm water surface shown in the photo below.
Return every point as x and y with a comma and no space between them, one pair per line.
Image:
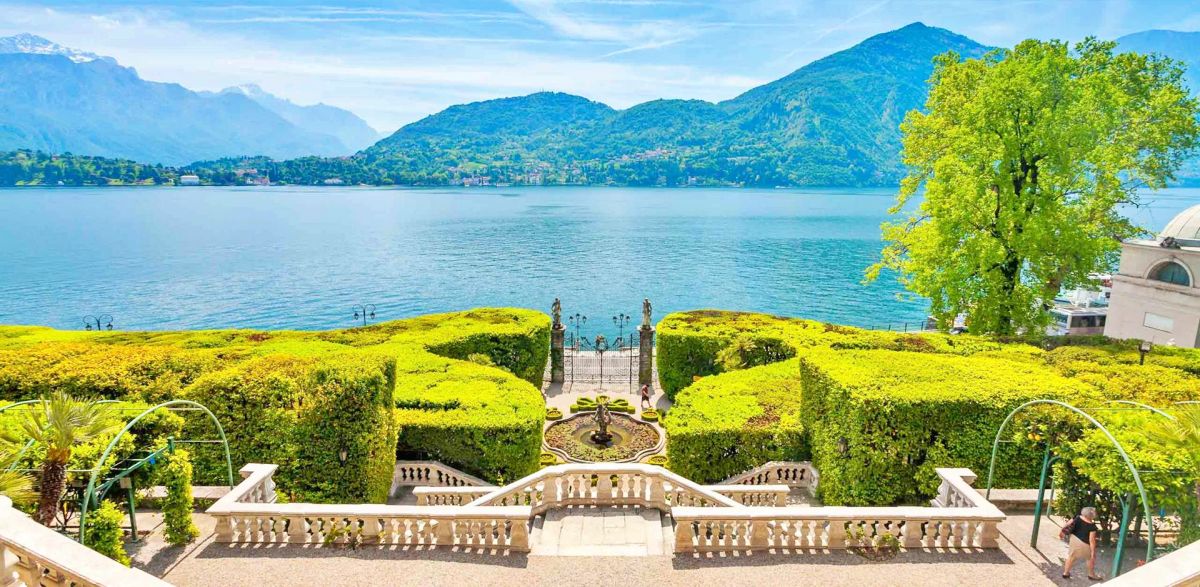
293,257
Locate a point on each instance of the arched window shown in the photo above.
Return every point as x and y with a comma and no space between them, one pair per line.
1171,272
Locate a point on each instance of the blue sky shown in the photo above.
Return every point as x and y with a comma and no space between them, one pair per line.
394,62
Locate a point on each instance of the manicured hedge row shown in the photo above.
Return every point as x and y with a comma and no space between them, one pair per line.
881,410
881,421
270,388
690,344
728,423
477,419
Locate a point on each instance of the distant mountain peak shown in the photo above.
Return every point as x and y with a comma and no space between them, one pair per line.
31,44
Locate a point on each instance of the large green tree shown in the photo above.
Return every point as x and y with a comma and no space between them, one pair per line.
1020,161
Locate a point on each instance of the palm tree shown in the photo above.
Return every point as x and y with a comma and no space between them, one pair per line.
15,485
60,422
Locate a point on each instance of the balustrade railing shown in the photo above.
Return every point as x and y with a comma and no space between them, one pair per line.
248,515
790,473
960,518
32,555
432,474
449,495
599,484
754,495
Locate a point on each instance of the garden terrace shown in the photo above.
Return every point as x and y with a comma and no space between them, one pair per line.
458,388
876,410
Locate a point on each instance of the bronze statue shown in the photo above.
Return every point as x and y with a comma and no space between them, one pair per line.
646,314
556,313
603,418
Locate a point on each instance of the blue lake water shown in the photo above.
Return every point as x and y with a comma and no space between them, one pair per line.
295,257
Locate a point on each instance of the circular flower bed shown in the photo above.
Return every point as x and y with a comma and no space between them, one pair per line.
570,438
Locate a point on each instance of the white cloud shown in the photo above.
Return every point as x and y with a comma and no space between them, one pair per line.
388,79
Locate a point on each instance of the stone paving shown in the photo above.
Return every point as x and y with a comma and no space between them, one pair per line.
607,531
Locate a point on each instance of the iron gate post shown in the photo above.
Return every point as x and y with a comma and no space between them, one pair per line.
557,365
646,355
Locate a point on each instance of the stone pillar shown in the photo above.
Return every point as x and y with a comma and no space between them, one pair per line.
557,364
646,356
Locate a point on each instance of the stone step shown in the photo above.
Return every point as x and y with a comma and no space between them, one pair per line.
600,531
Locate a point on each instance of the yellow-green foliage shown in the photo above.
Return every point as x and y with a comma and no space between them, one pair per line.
728,423
487,420
691,343
150,433
881,421
105,534
177,505
901,404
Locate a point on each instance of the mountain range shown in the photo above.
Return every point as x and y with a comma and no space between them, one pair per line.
834,121
57,99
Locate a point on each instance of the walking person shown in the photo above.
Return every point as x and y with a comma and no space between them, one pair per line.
646,396
1081,534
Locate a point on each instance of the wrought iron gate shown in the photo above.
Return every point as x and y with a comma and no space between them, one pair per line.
599,361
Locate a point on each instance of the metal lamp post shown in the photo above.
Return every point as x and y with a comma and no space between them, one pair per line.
1143,350
621,321
364,311
106,319
576,321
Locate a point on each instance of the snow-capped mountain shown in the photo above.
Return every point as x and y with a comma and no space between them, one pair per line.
35,45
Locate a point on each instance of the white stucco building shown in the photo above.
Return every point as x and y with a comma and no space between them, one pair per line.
1155,296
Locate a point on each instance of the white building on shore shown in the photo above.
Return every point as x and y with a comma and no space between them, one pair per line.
1154,293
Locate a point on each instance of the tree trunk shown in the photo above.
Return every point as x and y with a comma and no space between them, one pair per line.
54,479
1011,270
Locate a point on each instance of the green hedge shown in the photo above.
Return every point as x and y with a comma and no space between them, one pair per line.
881,421
300,413
728,423
464,390
703,342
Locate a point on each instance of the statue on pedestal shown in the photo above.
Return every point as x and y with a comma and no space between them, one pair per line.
556,313
646,314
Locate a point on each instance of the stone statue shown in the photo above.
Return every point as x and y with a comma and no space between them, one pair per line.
556,313
646,314
603,418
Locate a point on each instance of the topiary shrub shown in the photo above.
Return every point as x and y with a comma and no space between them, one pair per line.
547,459
728,423
553,414
177,505
657,460
105,534
301,413
882,421
650,415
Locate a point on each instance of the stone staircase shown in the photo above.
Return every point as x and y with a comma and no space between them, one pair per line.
602,531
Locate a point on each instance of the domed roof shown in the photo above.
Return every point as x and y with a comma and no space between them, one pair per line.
1184,227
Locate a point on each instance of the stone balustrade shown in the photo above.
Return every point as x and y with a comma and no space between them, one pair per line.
431,474
972,523
32,555
790,473
599,484
449,495
754,495
248,515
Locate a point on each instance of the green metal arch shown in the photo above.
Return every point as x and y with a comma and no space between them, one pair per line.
1137,479
91,486
1141,405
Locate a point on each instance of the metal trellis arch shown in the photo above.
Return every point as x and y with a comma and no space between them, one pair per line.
1137,478
170,405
